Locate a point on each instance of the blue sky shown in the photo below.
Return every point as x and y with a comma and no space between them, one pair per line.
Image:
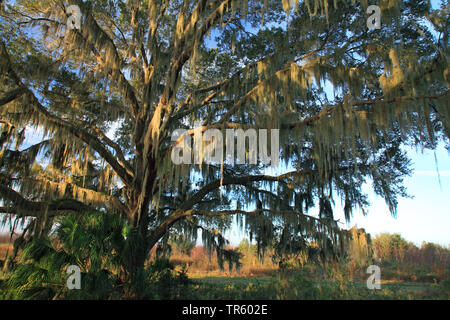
425,217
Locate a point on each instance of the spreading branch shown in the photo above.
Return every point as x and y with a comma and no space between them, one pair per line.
29,208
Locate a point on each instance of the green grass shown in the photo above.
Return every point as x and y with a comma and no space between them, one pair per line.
232,280
399,285
409,286
222,287
416,286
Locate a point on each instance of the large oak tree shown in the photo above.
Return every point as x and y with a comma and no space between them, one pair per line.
87,114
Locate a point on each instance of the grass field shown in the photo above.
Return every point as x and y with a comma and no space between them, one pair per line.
264,280
404,286
4,249
294,288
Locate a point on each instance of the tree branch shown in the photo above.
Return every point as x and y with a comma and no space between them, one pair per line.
94,28
78,132
12,95
34,209
250,213
330,110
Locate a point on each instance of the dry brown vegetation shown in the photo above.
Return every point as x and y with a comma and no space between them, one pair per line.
202,264
5,246
400,261
198,263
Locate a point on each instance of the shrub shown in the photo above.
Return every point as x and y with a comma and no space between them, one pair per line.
163,282
92,241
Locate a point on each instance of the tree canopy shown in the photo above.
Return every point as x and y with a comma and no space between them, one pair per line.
87,114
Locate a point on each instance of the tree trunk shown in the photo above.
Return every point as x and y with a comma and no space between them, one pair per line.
139,218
